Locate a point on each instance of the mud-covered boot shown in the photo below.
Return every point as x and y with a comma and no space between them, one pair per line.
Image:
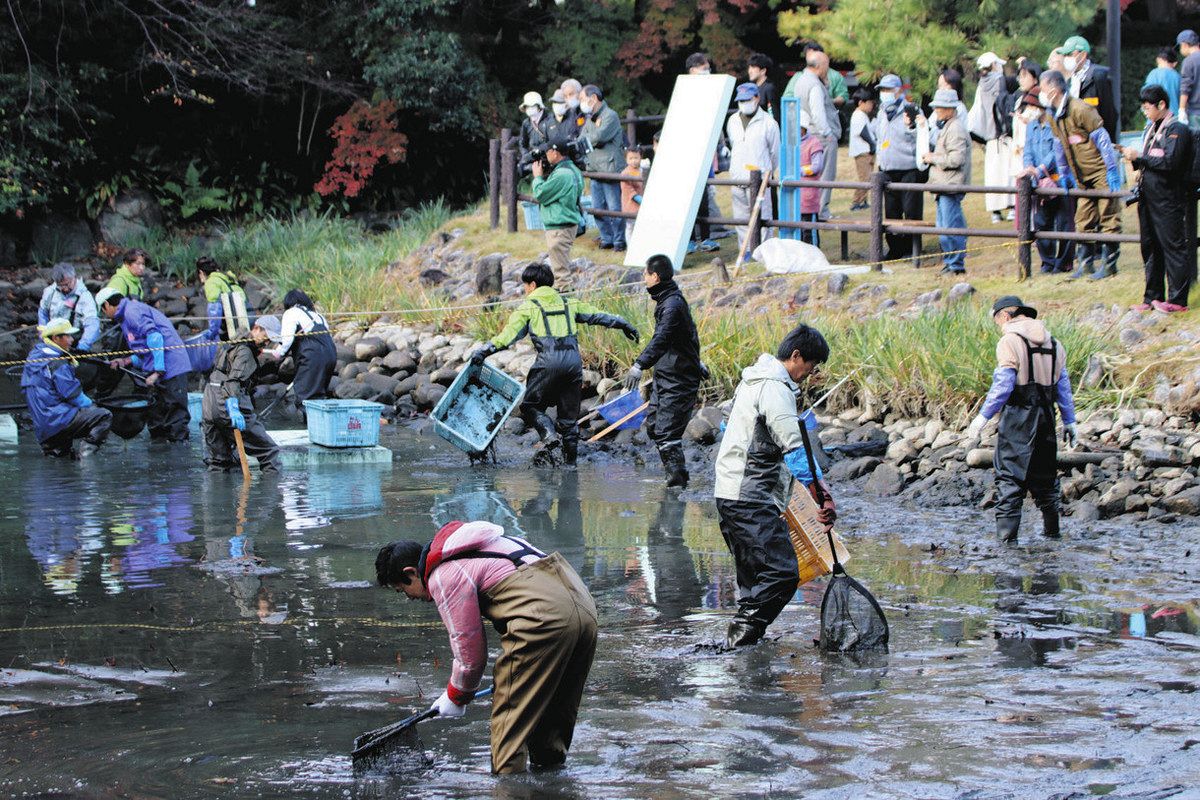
543,451
1007,529
1050,527
570,452
742,633
675,463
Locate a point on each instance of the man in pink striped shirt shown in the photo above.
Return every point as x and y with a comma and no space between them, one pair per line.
547,625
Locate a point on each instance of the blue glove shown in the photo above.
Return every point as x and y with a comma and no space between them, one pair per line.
797,464
637,198
83,401
235,413
83,348
1113,177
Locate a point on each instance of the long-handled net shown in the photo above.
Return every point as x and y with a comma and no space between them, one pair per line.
851,619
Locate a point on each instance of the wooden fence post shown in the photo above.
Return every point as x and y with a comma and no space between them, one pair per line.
752,235
494,182
508,165
506,175
1024,212
631,128
878,184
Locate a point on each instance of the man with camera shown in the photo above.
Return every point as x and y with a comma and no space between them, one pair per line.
1161,194
557,186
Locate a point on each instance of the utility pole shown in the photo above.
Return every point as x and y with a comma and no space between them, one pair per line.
1112,25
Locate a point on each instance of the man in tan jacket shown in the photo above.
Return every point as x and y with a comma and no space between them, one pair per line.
947,165
1029,379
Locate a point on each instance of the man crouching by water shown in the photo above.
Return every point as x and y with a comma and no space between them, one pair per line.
547,625
761,451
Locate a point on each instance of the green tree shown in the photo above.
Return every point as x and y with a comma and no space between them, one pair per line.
915,38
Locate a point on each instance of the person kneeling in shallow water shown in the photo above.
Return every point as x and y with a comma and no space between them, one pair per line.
547,625
761,451
60,410
1030,377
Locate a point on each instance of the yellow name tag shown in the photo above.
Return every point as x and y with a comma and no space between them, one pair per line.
1092,101
886,144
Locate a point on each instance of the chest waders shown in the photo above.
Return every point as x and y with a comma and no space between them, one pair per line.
316,359
556,378
1026,449
547,625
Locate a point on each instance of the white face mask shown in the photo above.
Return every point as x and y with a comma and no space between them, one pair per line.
533,112
573,102
1044,99
560,109
886,97
1032,114
705,71
1069,63
588,106
748,107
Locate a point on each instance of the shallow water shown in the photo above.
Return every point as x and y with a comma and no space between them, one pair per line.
179,637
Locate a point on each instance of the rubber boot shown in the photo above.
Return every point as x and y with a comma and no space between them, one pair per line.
1050,524
1109,254
87,449
543,451
570,451
675,464
1007,529
1085,260
742,633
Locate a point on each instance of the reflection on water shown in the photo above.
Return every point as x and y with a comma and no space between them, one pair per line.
279,651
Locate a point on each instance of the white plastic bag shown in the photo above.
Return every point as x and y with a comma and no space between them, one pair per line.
790,255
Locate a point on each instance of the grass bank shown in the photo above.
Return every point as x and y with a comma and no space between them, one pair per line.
341,266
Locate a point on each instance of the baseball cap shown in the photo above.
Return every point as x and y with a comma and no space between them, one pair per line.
104,294
746,90
1011,301
890,81
1188,36
989,59
1074,43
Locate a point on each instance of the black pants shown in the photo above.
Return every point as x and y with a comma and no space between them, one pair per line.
221,449
90,424
545,387
902,205
1164,251
767,572
168,417
700,230
669,412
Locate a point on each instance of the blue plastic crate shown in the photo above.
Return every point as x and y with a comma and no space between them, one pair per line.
475,407
195,409
617,409
343,423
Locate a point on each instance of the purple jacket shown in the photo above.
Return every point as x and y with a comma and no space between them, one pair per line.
151,335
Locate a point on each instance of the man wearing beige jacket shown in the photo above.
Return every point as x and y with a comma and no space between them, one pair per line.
948,164
1029,379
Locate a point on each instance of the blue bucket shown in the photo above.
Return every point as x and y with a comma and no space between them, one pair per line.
476,406
618,409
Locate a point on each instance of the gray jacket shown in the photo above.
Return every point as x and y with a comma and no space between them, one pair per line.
897,141
763,425
951,154
78,308
814,98
603,130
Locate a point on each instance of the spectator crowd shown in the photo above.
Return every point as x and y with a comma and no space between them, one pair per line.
1056,123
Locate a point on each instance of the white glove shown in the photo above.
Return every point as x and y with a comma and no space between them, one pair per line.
1070,435
448,708
976,426
1182,117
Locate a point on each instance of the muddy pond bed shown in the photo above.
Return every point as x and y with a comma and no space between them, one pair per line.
164,633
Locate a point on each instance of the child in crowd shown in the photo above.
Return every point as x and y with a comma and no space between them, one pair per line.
631,191
862,143
812,160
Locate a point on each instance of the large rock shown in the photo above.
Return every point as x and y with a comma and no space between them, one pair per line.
381,384
55,237
704,426
353,390
1162,455
400,360
885,481
489,275
370,347
901,451
851,468
427,395
1113,499
980,457
130,216
960,291
1186,502
837,283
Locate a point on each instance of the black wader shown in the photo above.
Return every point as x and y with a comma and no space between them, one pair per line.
556,378
1027,451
